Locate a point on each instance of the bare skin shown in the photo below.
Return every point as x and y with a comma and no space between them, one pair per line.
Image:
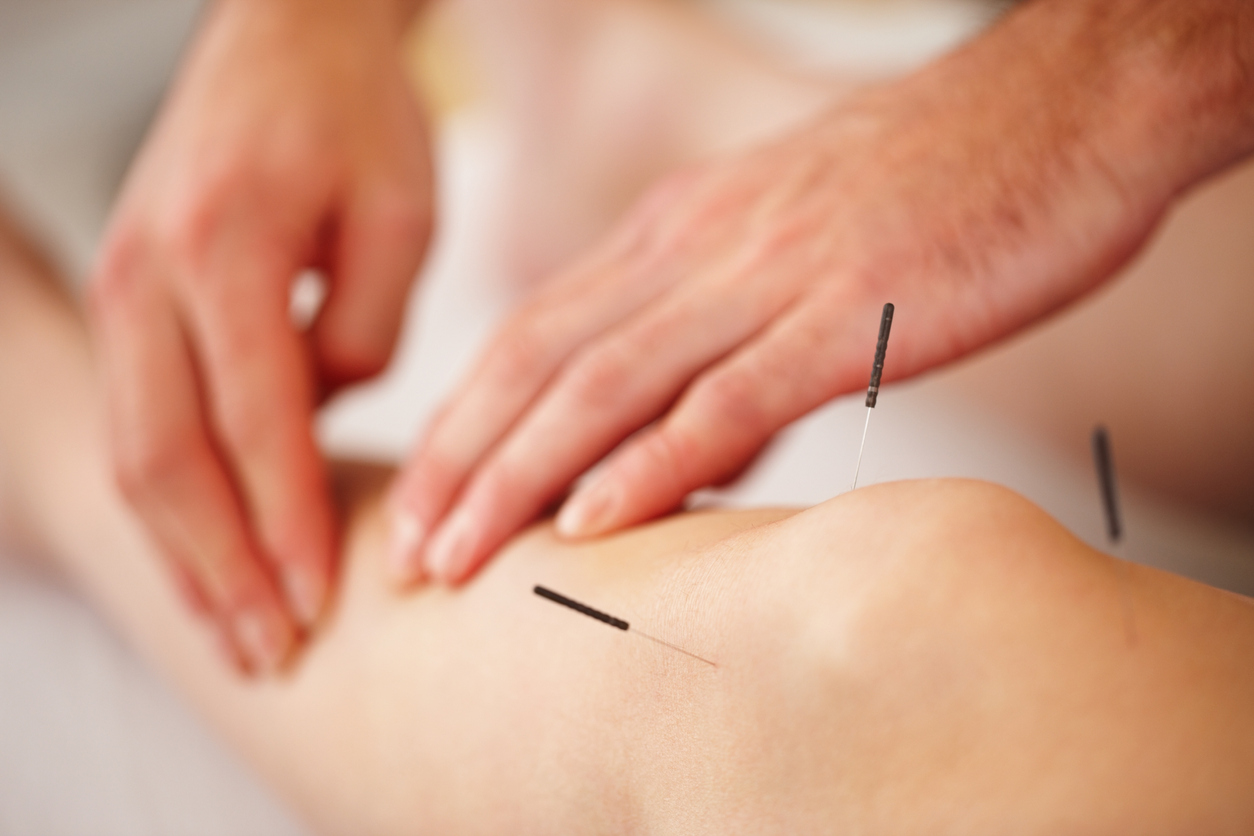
916,657
979,195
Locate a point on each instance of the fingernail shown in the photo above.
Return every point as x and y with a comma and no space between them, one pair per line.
264,637
305,592
450,548
405,541
590,511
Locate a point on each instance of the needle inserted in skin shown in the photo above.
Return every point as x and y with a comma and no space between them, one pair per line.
1114,528
1106,480
606,618
873,390
865,426
644,635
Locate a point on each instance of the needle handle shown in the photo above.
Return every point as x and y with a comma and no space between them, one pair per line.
1106,480
578,607
881,348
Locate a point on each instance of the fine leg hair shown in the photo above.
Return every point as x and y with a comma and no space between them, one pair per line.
915,657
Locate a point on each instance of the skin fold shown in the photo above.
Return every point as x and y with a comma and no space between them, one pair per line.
915,657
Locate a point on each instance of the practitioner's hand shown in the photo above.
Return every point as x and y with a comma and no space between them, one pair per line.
291,140
977,195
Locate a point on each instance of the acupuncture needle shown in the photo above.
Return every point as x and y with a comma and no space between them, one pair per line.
1104,462
873,390
1106,481
606,618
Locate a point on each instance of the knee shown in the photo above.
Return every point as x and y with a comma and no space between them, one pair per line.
900,571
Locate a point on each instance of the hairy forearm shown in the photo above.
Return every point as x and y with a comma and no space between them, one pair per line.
1160,92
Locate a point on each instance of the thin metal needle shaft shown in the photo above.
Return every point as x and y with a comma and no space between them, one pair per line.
861,447
644,635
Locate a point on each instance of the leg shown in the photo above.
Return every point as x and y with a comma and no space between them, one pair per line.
910,657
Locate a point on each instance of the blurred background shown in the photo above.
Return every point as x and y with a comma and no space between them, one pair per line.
92,742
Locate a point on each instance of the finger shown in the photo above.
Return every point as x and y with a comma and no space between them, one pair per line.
727,416
379,246
612,388
513,370
189,591
259,392
169,471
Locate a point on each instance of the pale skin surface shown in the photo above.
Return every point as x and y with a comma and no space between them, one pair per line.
979,195
921,657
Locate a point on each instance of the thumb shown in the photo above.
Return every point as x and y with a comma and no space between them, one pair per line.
381,241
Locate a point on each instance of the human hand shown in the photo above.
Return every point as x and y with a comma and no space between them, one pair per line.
291,140
977,195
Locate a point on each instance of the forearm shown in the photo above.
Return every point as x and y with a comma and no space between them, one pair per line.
1159,92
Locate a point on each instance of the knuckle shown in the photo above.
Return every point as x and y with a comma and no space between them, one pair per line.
246,427
149,463
112,284
501,484
236,585
188,229
601,376
732,398
427,484
186,234
672,456
402,219
521,349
